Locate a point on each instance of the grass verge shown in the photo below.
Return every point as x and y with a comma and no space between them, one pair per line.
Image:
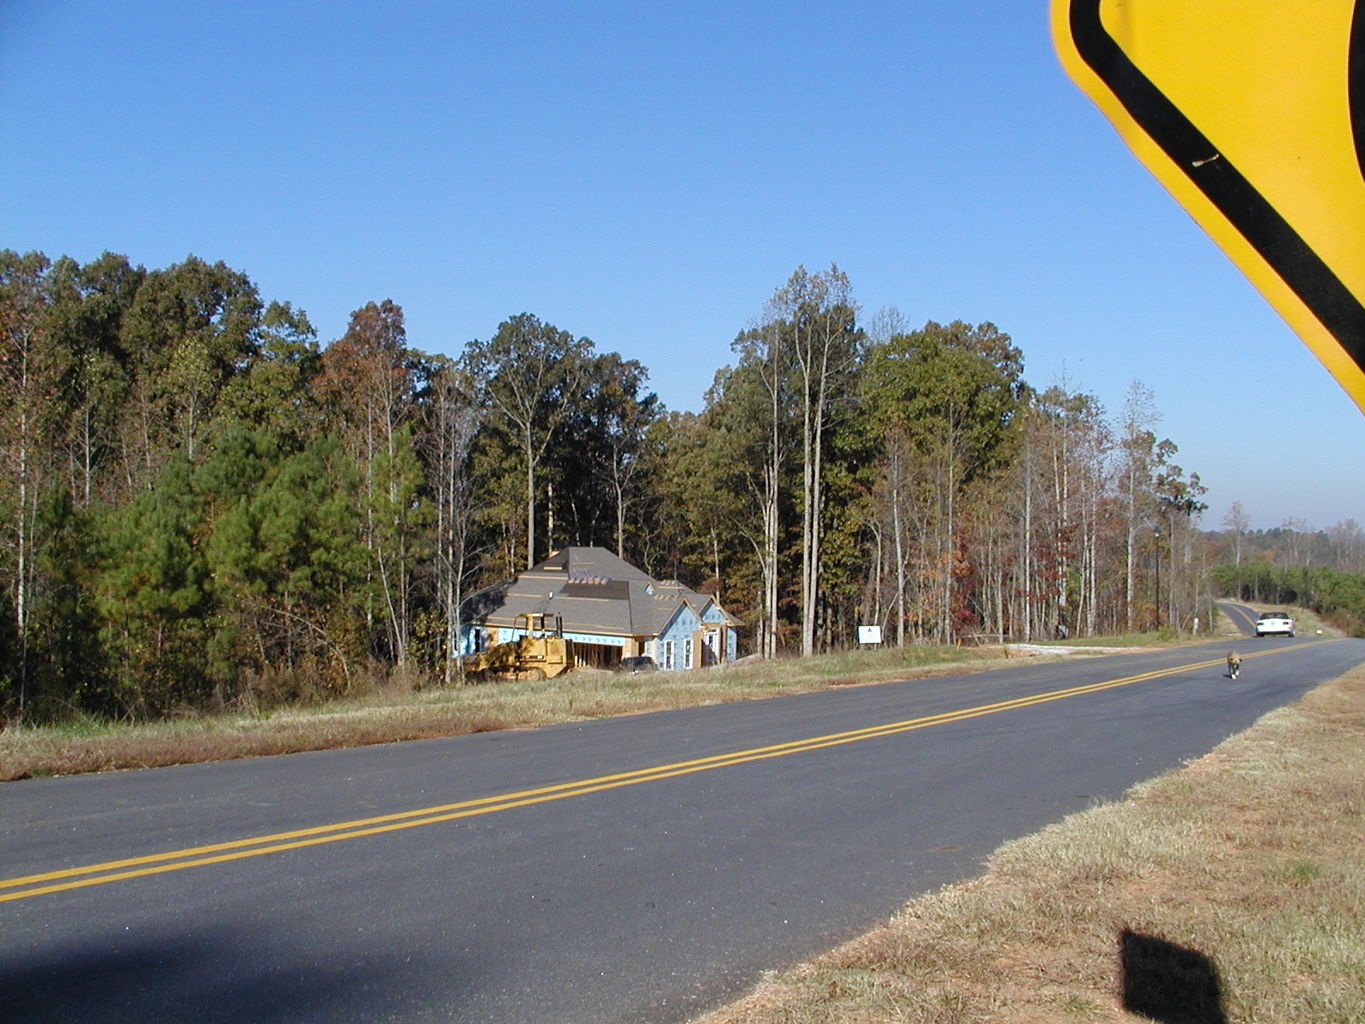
406,714
1230,891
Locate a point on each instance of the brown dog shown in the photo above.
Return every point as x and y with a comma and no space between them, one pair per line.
1234,664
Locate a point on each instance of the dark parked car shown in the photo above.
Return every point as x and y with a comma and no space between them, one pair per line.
634,665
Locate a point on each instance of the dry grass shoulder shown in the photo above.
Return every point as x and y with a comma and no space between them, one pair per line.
1230,891
403,713
400,710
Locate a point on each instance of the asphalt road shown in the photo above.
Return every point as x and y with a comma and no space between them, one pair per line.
1240,616
638,869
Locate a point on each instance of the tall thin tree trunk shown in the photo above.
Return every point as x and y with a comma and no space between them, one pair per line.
945,626
1130,549
898,529
530,498
21,595
1028,544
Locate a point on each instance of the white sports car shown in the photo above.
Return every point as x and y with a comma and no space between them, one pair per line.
1275,623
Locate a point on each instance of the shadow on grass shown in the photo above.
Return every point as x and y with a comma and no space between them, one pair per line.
1168,983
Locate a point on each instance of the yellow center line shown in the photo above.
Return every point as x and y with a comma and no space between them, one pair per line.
238,849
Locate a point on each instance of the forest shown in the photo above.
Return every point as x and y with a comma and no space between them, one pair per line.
205,507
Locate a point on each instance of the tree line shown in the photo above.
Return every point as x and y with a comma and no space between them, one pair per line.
1337,596
205,507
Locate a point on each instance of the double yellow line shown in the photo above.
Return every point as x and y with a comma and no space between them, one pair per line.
28,886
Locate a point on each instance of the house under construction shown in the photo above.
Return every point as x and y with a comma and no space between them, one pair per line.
610,610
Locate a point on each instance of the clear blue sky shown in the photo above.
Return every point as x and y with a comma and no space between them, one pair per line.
647,174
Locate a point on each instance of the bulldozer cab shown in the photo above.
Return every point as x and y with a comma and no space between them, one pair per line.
541,624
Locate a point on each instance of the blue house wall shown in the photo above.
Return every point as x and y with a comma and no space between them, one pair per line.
714,616
470,638
673,646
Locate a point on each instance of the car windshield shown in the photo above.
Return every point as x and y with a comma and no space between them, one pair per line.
1275,615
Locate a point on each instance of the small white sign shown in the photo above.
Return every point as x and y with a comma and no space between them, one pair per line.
869,634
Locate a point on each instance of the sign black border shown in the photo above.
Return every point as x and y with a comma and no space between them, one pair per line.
1316,286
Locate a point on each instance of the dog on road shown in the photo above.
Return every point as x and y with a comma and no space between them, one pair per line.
1234,664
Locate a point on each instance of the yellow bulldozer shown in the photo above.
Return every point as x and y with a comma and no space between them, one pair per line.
541,652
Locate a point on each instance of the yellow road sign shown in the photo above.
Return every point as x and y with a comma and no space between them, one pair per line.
1252,114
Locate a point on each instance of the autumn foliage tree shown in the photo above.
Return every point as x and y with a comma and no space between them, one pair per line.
529,376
